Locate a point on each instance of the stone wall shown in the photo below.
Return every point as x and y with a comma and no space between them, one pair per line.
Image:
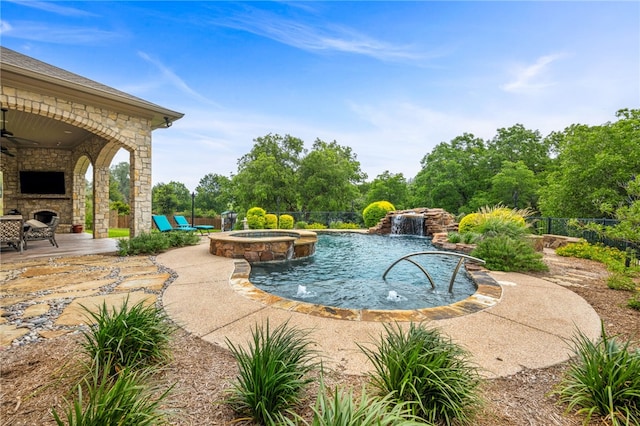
263,245
435,220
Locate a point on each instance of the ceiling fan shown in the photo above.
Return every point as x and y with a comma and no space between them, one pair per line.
6,134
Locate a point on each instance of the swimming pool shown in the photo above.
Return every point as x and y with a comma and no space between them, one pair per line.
346,272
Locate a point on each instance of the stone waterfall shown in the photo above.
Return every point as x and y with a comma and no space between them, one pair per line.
407,224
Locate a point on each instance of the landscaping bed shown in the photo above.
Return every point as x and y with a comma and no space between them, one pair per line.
37,376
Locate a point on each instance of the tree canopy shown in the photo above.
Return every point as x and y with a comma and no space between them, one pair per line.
582,171
592,167
328,178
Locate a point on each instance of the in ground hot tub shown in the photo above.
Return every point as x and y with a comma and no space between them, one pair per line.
264,245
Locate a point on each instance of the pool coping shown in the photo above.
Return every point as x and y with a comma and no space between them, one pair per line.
488,293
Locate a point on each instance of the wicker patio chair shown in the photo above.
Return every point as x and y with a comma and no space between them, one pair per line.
11,231
43,233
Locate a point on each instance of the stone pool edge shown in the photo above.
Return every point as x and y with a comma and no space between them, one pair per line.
488,293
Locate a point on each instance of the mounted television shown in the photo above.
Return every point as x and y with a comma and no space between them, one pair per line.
42,182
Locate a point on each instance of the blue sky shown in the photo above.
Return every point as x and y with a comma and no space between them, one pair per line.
389,79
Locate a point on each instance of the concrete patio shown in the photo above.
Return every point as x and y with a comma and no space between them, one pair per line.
528,328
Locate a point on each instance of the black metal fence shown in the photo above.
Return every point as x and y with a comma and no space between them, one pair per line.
564,226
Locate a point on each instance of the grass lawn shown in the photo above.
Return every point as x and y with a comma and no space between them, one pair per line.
114,232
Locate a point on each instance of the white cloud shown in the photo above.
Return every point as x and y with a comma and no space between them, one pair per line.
46,33
531,78
5,27
173,79
315,38
53,8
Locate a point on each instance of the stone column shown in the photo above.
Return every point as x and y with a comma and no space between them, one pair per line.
140,178
101,201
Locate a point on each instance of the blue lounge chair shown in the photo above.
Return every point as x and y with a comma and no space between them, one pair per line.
183,223
163,225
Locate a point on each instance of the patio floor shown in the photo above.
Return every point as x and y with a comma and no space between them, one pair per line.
68,245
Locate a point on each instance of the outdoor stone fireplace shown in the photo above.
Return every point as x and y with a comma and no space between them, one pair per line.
44,216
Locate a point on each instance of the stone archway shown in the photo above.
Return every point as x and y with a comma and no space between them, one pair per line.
104,119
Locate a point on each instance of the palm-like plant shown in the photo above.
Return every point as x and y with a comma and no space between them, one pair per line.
428,372
603,378
273,372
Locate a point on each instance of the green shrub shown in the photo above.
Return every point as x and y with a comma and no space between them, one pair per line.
598,252
472,221
129,337
123,399
454,237
604,379
494,226
316,226
301,224
634,302
272,372
471,237
145,243
376,211
155,242
343,225
469,223
621,281
182,239
342,410
428,372
286,221
270,221
504,253
256,218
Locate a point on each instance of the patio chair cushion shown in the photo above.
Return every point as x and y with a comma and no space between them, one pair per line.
34,223
163,225
182,223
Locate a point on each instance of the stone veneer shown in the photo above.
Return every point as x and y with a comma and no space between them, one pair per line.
435,220
264,245
110,131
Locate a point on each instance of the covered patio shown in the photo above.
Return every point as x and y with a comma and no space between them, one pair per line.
69,245
55,124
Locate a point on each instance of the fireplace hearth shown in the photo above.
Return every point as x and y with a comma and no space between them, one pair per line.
44,216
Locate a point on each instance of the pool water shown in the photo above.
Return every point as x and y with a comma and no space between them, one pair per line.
346,272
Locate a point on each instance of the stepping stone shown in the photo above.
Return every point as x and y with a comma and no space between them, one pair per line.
39,283
87,285
52,334
8,301
36,310
75,314
37,271
66,295
150,282
138,270
8,333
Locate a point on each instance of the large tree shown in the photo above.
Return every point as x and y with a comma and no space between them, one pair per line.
514,186
169,198
213,193
593,165
267,174
119,175
390,187
454,176
517,143
328,178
